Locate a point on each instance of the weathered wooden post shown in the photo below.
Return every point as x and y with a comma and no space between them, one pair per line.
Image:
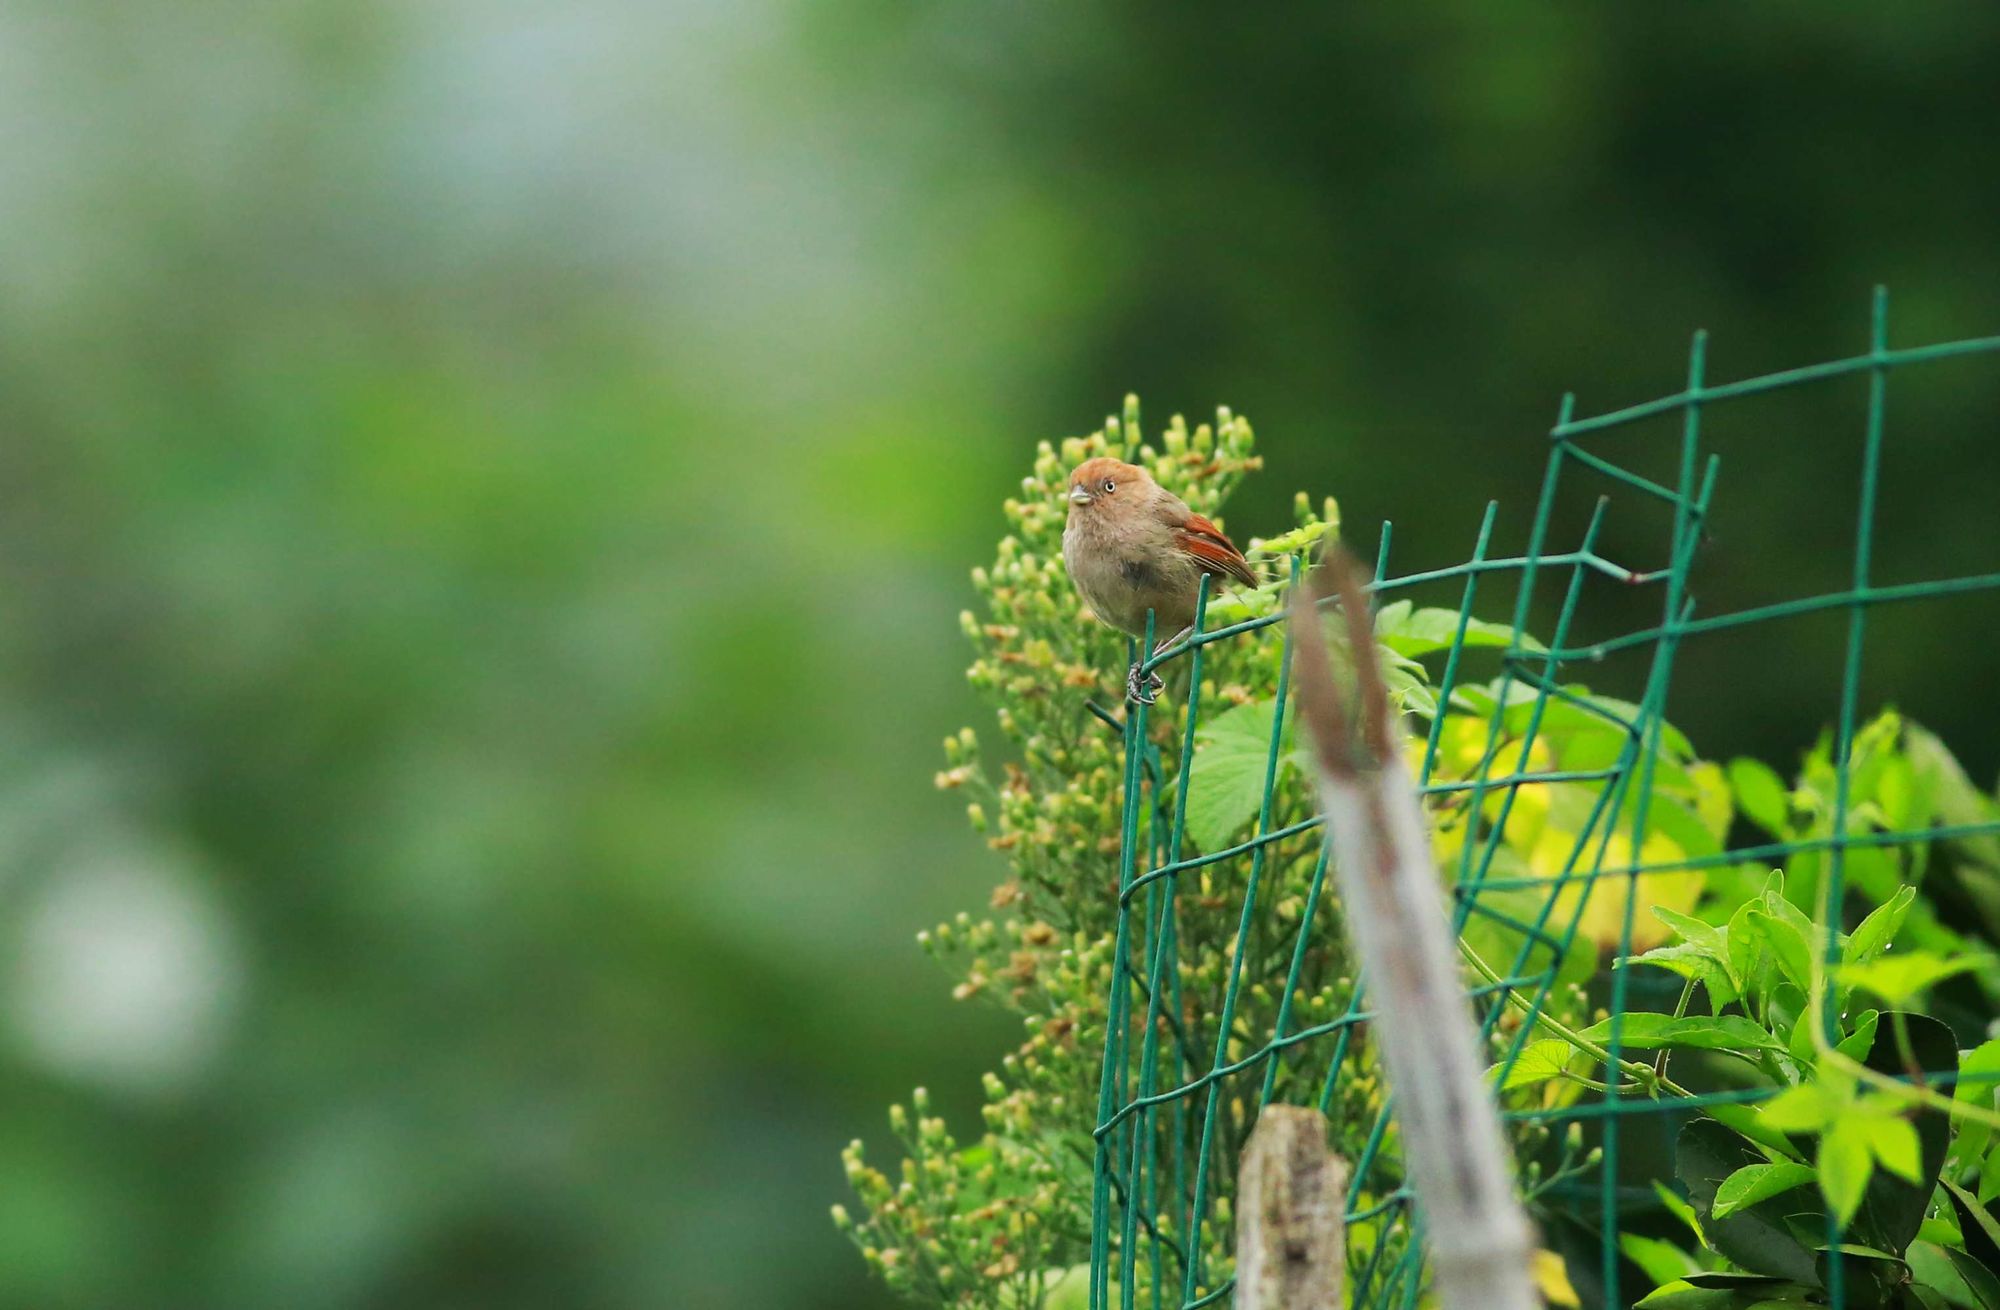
1481,1244
1290,1247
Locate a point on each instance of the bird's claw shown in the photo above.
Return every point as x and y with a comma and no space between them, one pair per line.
1142,691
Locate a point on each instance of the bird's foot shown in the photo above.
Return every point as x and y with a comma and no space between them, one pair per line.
1143,691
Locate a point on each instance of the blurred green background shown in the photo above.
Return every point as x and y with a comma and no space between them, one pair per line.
487,489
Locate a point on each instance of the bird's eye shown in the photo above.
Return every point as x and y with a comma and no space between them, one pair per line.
1109,486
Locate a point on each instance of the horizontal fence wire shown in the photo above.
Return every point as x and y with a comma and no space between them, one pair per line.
1180,1082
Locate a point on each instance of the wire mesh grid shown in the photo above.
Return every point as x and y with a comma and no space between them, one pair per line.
1179,1086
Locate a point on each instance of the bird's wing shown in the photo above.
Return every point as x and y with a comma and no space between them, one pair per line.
1211,550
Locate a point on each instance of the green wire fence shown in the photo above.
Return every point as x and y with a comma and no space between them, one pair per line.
1163,1161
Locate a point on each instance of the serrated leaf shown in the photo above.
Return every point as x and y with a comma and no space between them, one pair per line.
1695,932
1758,1182
1681,958
1226,783
1538,1062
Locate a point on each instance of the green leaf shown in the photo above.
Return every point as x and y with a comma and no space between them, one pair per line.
1662,1261
1873,935
1744,1119
1646,1031
1226,784
1413,633
1761,795
1596,744
1942,1231
1790,948
1757,1182
1893,1141
1724,1291
1701,935
1978,1084
1750,952
1981,1282
1930,1266
1857,1044
1560,716
1806,1108
1958,801
1677,821
1538,1062
1690,962
1893,1209
1683,1295
1844,1163
1790,1016
1872,1277
1677,1206
1671,737
1756,1237
1977,1224
1778,907
1902,795
1900,979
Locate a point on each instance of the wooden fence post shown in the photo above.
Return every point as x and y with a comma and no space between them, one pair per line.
1481,1245
1290,1196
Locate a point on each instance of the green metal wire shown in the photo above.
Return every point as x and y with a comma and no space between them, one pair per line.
1163,1167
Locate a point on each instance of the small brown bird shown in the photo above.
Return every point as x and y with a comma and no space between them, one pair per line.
1132,546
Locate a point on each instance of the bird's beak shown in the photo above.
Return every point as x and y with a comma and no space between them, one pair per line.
1078,496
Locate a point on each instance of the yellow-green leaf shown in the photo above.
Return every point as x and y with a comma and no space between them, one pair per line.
1893,1140
1761,795
1899,979
1538,1062
1845,1163
1806,1108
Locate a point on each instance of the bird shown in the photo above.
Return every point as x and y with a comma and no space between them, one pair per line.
1131,546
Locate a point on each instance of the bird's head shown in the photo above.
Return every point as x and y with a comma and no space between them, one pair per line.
1105,481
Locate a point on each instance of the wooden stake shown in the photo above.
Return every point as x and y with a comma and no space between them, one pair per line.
1481,1243
1290,1236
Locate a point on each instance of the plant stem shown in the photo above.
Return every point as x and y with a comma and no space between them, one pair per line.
1660,1061
1644,1074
